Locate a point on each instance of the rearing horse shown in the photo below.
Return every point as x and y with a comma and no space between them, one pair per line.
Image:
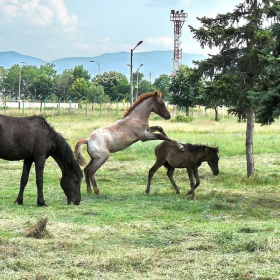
123,133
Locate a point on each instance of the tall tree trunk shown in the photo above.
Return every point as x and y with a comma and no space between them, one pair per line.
249,143
216,114
187,110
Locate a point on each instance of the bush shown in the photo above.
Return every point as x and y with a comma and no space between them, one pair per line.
183,118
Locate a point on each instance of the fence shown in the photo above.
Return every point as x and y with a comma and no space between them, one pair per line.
27,108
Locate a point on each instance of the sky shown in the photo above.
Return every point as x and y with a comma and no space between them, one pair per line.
54,29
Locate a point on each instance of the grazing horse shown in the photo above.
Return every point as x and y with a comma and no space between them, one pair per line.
32,139
123,133
191,158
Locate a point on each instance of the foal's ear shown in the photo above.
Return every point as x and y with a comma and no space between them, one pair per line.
158,94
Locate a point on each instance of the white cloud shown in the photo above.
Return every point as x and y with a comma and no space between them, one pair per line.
161,42
39,12
61,13
105,40
82,46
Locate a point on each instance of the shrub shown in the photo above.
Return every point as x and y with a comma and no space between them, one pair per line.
183,118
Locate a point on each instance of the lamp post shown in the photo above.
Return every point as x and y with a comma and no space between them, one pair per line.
98,65
19,80
137,79
131,72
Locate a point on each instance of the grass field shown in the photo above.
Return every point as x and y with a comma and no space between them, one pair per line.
231,230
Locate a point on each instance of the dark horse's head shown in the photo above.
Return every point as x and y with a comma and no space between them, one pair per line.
72,174
213,159
71,185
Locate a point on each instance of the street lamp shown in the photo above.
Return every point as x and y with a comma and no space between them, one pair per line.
19,80
131,72
137,79
98,65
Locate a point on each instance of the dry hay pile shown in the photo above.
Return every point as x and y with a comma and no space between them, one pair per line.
39,230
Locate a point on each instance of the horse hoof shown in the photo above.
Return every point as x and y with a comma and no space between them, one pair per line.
18,202
42,205
181,148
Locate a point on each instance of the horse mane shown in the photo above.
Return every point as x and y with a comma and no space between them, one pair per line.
140,99
197,147
63,149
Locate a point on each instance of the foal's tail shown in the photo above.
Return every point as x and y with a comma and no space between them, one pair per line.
77,152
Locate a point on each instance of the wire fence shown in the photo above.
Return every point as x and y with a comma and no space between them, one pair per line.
95,109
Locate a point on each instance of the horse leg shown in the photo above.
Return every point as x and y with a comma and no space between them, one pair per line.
92,168
195,173
87,177
157,128
169,173
39,167
149,135
24,179
152,171
192,184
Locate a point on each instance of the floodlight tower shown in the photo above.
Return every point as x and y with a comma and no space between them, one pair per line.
178,17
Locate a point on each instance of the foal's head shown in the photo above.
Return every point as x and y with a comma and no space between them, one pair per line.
159,106
212,159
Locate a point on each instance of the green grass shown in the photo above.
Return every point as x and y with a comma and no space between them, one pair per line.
231,231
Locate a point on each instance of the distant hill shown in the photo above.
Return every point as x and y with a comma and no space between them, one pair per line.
155,62
8,59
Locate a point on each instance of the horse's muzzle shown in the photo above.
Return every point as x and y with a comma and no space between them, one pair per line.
216,172
168,117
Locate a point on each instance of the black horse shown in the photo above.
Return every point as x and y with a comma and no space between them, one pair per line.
32,139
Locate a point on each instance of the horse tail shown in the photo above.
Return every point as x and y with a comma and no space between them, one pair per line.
166,164
77,152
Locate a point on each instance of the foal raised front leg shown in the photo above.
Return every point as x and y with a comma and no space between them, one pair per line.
24,179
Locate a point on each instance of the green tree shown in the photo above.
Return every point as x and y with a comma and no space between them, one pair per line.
80,72
121,90
145,86
95,94
110,82
3,74
162,83
79,88
268,99
241,36
28,76
184,90
42,87
63,83
11,81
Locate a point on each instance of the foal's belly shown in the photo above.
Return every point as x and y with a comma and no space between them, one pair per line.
176,161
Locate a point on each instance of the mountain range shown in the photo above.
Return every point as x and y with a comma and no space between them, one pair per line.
154,63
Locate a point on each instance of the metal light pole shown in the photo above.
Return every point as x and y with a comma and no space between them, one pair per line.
98,65
19,80
131,72
137,79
